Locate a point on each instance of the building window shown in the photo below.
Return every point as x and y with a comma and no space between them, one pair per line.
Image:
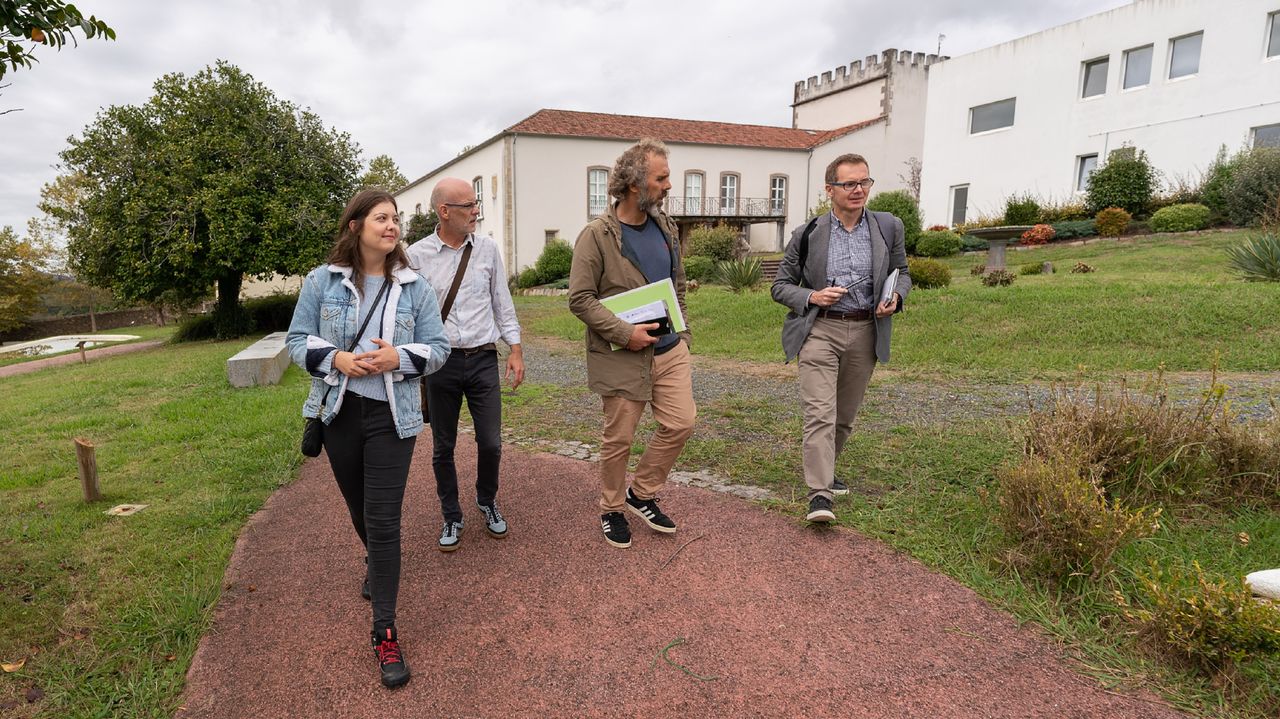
1273,36
1184,55
992,116
728,194
1085,165
1095,77
1137,67
778,194
549,235
597,191
693,182
1266,136
959,203
478,185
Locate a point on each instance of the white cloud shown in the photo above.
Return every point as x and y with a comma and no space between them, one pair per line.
420,80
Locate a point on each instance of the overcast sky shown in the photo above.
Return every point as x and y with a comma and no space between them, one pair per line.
420,80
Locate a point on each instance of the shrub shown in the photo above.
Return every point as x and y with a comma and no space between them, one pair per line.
1180,218
969,243
1210,622
528,278
699,267
741,275
1037,235
1021,210
978,270
711,241
1112,221
195,328
1254,186
560,284
938,244
1127,181
1031,268
1082,268
962,228
554,262
903,206
1066,212
1074,229
938,228
272,313
1257,259
928,274
998,278
1217,180
1062,522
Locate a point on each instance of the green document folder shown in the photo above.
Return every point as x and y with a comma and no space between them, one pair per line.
663,291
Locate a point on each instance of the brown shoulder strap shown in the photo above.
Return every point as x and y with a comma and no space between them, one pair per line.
457,280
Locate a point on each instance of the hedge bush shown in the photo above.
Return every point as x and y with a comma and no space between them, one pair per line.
1021,210
1254,186
927,274
1180,218
1127,181
1037,235
714,241
1074,229
900,204
699,267
1031,268
1066,212
1112,221
262,314
938,243
554,262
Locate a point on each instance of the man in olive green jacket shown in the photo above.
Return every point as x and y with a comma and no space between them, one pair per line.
633,243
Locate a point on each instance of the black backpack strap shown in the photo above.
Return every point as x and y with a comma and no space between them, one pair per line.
804,246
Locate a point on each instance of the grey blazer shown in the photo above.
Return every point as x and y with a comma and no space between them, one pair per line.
790,289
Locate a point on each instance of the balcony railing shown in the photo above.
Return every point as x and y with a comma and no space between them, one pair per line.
753,207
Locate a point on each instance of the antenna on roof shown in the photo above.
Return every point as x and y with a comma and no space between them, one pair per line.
941,37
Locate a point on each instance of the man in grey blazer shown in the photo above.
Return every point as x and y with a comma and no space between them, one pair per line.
831,279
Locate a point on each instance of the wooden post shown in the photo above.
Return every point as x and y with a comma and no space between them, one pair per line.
88,470
80,346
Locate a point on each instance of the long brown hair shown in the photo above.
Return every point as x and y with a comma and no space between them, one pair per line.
346,249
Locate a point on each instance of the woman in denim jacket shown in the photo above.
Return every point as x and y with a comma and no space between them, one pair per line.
369,399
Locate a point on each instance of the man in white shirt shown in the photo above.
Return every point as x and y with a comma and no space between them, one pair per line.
481,314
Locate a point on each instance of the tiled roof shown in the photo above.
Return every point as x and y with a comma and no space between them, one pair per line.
569,123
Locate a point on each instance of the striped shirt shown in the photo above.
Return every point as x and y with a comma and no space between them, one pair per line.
482,311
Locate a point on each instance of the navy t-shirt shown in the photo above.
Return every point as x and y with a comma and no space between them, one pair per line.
650,246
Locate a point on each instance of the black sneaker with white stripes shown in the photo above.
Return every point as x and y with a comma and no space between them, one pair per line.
839,488
647,509
616,530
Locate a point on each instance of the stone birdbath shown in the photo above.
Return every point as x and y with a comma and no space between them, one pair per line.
997,239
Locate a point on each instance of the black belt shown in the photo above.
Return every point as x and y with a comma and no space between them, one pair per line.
468,351
850,315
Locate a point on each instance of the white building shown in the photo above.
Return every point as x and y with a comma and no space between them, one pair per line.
547,175
1174,78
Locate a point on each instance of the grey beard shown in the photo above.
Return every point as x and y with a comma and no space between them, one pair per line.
649,204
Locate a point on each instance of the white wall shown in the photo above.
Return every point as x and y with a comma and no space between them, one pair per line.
838,109
1179,123
485,163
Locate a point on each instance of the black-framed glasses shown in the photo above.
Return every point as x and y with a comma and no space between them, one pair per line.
848,186
464,205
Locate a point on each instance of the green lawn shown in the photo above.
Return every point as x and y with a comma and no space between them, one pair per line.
144,333
1152,300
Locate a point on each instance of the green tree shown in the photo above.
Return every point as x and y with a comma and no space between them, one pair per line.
42,22
22,278
384,174
421,225
1127,181
212,179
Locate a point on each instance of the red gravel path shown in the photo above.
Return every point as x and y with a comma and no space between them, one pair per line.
791,621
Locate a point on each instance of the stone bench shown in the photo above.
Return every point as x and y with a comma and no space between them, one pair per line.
262,362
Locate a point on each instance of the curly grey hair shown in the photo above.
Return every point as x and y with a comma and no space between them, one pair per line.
632,168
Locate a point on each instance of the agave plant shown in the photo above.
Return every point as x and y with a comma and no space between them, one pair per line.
1257,259
741,275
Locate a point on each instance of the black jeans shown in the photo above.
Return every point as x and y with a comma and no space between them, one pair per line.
371,464
474,376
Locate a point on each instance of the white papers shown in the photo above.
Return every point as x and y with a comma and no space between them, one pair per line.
644,313
890,285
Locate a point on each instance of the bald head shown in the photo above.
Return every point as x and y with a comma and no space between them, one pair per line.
451,189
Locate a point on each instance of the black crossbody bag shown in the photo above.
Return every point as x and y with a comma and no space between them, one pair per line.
313,429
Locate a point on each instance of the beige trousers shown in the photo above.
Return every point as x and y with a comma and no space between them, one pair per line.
836,363
673,409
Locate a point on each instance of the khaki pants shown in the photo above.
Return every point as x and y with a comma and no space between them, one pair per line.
673,409
836,363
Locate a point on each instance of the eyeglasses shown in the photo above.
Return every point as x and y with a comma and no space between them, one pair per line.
464,205
848,186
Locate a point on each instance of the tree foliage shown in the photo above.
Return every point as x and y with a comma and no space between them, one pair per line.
384,174
420,225
212,179
42,22
21,278
1127,181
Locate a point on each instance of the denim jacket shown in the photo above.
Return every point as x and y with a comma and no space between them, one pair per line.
324,320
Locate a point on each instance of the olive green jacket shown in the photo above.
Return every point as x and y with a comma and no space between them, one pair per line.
601,268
